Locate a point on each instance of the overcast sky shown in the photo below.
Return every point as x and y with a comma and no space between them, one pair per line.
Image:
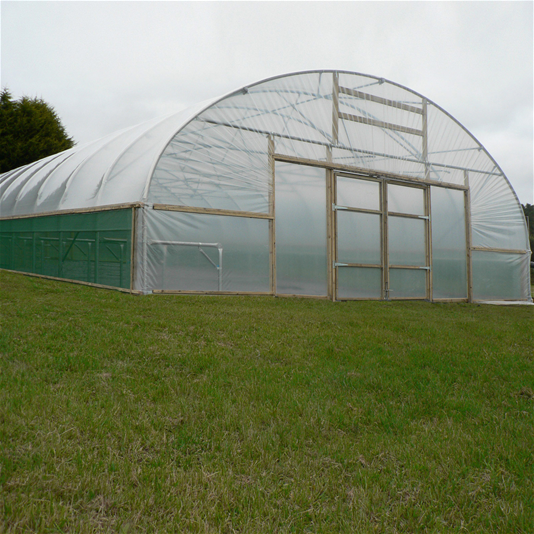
108,65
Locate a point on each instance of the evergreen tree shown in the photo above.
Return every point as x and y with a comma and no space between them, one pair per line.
30,129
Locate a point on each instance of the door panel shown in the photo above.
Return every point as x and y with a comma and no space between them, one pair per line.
449,243
358,250
407,238
301,243
381,248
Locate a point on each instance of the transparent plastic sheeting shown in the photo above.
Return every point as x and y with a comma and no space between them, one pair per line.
90,247
359,283
407,283
176,261
500,276
219,154
495,218
407,243
301,257
449,255
354,193
221,159
113,170
358,238
409,200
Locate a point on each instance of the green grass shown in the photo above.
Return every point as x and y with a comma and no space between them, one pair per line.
243,414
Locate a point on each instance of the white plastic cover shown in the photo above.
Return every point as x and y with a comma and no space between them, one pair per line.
449,245
498,275
301,250
186,251
217,155
111,170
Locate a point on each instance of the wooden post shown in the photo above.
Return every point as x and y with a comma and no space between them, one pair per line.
331,195
428,226
335,115
468,238
272,208
385,247
133,248
424,139
330,240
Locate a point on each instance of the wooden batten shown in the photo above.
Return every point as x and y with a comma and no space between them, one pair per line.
360,299
428,231
272,210
78,210
413,267
334,252
288,295
385,243
363,265
229,293
409,298
483,301
469,240
424,140
335,115
380,100
380,124
501,250
362,210
213,211
133,248
451,300
330,233
367,173
406,215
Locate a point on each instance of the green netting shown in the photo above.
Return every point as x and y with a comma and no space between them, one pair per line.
91,247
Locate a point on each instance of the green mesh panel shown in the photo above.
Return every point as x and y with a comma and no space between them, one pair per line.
91,247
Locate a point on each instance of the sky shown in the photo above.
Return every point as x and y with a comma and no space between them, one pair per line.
105,66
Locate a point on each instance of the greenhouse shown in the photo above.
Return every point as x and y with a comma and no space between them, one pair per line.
324,184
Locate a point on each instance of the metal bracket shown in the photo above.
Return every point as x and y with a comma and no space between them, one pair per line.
426,217
340,264
336,207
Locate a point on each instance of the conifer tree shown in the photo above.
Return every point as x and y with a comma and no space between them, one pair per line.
30,129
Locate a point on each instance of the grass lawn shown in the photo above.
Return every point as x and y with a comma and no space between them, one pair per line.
255,414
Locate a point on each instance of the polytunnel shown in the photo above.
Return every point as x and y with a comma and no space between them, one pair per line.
325,184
